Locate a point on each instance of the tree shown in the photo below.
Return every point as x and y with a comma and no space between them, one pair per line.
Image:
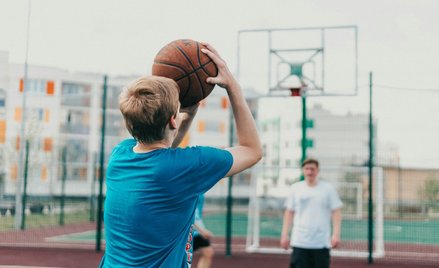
429,192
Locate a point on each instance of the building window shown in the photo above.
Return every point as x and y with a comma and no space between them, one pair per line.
2,97
34,86
211,126
17,143
40,114
76,158
46,115
79,122
14,172
224,102
201,126
50,88
47,144
222,127
2,131
17,114
36,114
76,94
44,173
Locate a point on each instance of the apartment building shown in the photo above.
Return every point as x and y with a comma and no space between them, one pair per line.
62,112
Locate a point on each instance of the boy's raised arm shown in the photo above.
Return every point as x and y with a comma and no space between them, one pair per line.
249,150
187,118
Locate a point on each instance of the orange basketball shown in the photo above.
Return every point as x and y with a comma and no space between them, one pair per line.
183,61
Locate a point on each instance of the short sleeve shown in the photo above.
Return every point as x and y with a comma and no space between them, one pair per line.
214,165
334,199
290,203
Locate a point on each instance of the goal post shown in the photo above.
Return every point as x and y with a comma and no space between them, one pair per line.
270,188
352,193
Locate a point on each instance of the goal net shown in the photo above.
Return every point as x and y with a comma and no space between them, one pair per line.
270,188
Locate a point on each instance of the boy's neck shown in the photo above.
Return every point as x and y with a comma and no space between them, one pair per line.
312,183
143,148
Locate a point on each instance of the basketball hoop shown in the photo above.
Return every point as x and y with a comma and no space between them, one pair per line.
292,88
297,91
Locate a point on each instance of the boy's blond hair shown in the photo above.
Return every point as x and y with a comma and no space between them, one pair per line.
147,105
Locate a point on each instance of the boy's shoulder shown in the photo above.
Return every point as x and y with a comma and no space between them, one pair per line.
130,142
205,154
296,187
298,184
196,148
127,142
326,184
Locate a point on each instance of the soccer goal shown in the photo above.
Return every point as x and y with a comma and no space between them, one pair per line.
270,187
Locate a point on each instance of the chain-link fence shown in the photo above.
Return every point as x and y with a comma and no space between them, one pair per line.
60,192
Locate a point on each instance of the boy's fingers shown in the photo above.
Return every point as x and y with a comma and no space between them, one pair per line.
209,53
217,60
212,80
213,50
210,47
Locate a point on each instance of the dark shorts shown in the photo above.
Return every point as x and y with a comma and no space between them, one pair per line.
310,258
200,242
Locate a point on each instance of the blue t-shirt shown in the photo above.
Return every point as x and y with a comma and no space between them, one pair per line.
150,202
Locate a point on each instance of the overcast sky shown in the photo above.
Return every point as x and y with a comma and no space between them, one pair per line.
398,40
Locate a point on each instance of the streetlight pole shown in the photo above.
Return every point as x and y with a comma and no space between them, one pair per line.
370,169
19,209
101,168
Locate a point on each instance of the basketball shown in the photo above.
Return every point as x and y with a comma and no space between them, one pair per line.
183,61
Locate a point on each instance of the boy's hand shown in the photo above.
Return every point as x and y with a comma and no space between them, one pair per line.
206,234
224,78
335,241
284,242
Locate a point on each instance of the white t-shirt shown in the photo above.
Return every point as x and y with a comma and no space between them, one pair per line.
312,208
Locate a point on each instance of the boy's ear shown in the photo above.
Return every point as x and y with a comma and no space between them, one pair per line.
173,122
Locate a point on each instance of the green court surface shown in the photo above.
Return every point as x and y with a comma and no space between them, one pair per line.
403,231
82,237
410,232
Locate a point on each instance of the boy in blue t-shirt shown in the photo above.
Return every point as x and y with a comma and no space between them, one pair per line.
152,186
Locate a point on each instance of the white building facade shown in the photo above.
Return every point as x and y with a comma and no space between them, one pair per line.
337,141
53,96
63,111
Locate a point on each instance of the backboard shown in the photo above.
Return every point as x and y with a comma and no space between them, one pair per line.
317,60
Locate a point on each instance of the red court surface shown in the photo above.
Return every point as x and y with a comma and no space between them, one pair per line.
84,258
31,248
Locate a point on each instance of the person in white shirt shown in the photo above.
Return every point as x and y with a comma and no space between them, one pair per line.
310,208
